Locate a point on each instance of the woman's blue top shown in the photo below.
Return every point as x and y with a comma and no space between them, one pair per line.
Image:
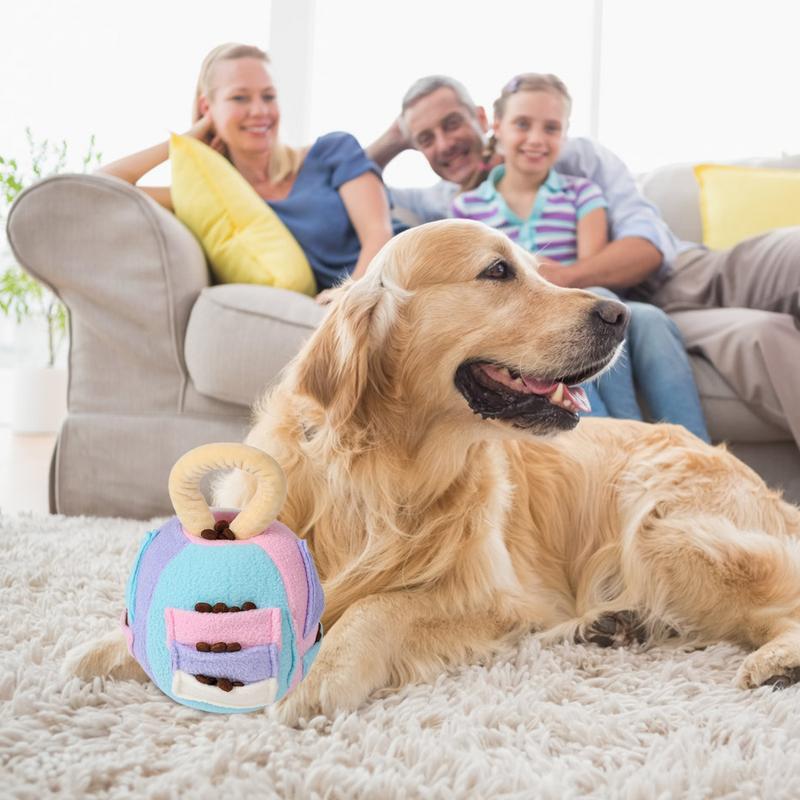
314,212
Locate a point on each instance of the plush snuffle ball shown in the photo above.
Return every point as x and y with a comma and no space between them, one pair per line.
223,607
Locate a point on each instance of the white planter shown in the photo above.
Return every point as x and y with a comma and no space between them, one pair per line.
39,399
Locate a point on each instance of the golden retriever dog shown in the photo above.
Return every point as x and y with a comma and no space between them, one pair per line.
453,501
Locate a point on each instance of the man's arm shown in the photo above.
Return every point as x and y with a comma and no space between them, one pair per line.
619,265
388,145
630,215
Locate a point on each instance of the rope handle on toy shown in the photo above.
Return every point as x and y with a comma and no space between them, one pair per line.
188,500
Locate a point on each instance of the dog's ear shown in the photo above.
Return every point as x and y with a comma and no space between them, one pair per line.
334,366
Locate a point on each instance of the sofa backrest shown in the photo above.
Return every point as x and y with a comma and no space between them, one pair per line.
673,188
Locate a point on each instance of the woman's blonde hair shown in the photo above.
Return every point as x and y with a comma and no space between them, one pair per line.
284,161
532,82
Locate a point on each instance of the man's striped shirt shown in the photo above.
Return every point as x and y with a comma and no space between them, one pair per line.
552,227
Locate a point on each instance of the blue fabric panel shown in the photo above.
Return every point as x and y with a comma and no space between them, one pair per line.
230,574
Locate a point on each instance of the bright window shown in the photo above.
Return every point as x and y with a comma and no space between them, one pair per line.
366,55
690,81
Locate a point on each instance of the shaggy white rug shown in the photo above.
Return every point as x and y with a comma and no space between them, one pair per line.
550,722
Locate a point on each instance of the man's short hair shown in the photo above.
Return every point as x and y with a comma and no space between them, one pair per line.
429,84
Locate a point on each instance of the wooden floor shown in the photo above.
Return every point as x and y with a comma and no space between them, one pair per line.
24,468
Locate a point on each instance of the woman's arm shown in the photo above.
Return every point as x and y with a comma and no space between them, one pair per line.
364,198
131,168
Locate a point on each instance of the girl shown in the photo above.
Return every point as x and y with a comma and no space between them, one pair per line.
329,195
562,219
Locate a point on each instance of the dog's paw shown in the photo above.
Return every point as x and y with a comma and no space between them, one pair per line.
324,691
105,657
775,664
616,629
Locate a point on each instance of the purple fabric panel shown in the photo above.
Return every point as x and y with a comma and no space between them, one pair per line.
165,546
316,599
472,198
248,665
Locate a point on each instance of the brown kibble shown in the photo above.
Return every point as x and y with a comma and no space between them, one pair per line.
208,533
203,647
221,525
218,647
233,647
203,608
249,606
227,534
206,679
224,684
219,608
237,683
234,609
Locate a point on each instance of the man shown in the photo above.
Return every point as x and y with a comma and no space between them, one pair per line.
752,289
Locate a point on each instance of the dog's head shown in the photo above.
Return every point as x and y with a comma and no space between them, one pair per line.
453,323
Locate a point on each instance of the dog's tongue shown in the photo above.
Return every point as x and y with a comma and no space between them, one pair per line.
571,398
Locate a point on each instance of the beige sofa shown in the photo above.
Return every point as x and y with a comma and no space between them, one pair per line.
161,361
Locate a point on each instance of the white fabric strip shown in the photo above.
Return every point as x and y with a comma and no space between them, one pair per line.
251,695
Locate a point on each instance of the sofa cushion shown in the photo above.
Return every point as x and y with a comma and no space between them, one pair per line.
241,335
737,203
243,238
675,192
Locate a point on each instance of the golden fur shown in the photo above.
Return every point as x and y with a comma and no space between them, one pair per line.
441,536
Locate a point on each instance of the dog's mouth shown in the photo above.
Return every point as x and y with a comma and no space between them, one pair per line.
526,401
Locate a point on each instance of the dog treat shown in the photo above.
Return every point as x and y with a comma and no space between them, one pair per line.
248,606
206,679
222,525
219,608
233,647
224,684
209,533
234,609
203,647
203,608
219,647
237,683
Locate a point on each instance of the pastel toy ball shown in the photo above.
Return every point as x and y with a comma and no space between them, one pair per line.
223,606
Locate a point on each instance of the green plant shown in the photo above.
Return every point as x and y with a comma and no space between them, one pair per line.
21,296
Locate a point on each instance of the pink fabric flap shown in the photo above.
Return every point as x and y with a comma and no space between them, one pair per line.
248,628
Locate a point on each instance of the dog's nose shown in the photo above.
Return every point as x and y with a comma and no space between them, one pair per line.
610,318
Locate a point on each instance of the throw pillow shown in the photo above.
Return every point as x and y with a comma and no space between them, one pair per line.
739,202
244,240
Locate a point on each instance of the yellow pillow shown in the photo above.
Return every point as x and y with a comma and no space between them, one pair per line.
243,238
739,202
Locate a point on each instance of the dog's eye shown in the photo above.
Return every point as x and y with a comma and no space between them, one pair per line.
499,271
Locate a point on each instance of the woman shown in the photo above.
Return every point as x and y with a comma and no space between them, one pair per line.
329,195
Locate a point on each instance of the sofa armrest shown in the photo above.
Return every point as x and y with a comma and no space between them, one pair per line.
128,271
